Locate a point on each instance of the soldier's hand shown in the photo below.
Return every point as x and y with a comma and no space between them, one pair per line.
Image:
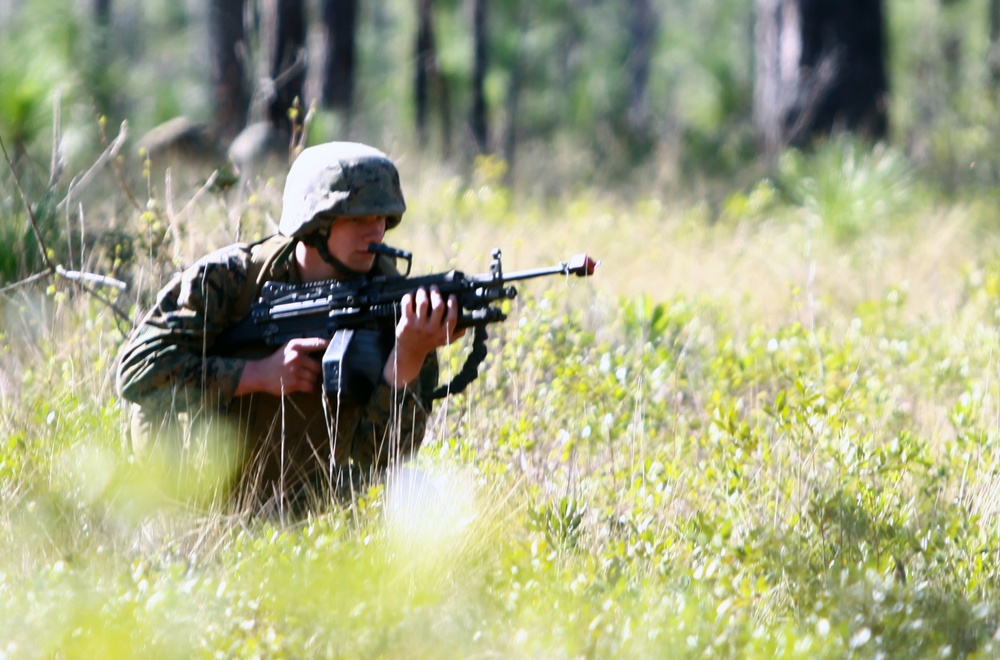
427,322
292,368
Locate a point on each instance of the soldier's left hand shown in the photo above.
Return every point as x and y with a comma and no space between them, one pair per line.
427,322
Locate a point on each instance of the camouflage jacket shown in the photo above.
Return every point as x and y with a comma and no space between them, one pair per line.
170,364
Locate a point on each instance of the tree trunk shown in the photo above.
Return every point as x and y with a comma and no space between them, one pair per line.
100,64
102,12
480,131
429,85
426,64
227,40
772,75
284,41
340,29
642,34
820,68
512,103
994,53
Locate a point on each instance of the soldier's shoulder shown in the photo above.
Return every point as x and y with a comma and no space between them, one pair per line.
271,247
229,261
231,254
223,271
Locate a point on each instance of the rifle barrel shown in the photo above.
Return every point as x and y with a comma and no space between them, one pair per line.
531,273
581,265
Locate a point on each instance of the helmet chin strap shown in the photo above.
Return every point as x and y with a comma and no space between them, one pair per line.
317,241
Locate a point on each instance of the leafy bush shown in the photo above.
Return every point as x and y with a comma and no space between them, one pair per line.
693,471
847,188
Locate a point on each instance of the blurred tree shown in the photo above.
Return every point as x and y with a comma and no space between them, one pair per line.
951,49
993,57
102,11
228,52
820,68
283,40
99,62
480,127
340,25
428,80
642,27
426,65
508,133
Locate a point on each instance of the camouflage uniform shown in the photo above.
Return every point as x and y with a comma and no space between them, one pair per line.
182,385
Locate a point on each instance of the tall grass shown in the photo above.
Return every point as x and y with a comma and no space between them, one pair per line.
751,434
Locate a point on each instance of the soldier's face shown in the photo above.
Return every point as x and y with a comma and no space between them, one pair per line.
349,238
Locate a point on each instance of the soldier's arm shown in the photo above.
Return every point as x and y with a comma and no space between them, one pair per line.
168,359
394,422
292,368
427,322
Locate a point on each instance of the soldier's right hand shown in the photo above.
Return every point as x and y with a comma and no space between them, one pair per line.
292,368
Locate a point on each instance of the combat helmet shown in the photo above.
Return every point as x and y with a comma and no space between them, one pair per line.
339,179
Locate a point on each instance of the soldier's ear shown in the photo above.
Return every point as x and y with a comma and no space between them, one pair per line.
328,219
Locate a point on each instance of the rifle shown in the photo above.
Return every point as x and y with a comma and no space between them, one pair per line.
344,312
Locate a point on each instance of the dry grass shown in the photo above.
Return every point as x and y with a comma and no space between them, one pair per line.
661,467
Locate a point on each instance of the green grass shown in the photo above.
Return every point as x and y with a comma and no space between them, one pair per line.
751,434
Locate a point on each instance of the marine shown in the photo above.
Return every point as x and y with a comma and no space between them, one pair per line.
263,412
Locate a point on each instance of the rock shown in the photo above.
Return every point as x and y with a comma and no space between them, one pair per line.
256,143
179,137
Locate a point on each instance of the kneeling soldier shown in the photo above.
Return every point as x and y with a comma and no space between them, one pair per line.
281,431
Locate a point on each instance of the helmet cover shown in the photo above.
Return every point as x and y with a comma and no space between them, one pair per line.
339,179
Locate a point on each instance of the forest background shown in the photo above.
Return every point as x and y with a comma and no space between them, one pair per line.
769,426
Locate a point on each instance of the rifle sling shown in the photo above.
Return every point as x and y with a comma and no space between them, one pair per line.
470,370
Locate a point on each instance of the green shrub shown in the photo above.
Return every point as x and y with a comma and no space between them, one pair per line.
847,188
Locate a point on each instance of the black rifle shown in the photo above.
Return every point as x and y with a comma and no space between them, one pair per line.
345,311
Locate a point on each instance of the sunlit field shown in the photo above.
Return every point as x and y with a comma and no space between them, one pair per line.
767,426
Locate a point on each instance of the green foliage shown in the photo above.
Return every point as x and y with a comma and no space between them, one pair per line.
560,522
557,84
20,254
689,468
29,82
846,187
